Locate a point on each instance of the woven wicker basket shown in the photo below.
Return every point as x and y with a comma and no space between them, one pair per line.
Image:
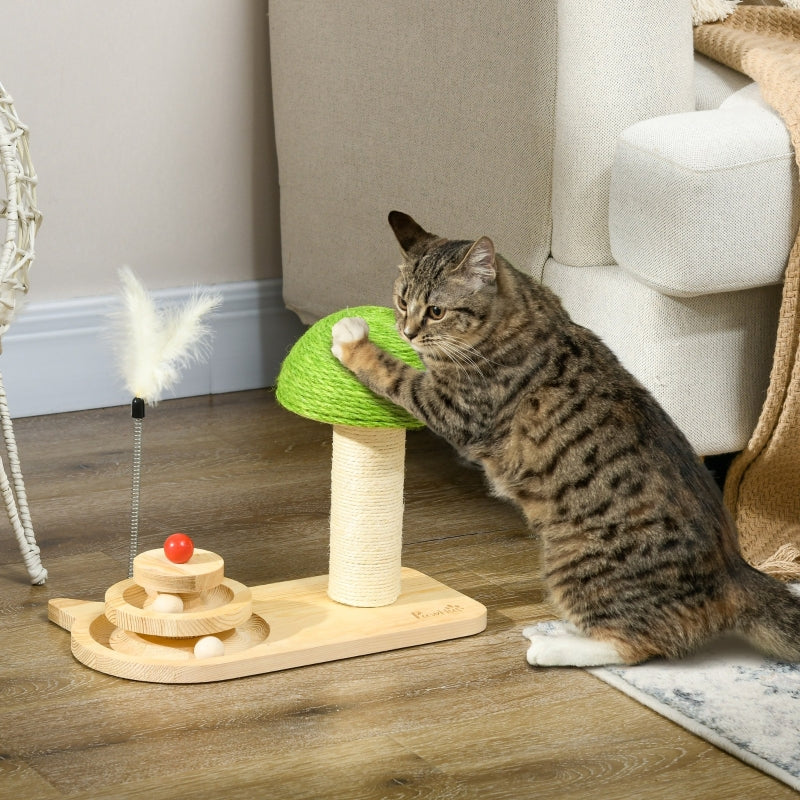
18,209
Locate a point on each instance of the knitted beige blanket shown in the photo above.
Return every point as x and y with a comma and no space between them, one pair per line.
762,489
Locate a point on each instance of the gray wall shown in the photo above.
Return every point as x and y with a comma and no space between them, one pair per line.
151,133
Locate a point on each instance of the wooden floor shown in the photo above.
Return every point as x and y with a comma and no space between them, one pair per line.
461,719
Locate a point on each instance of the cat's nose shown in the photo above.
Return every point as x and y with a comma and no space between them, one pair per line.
409,332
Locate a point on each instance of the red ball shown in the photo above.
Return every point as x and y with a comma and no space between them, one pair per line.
178,548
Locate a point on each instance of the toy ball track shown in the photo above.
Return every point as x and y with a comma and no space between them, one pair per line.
261,629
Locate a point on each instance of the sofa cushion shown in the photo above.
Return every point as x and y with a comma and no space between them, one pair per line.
706,201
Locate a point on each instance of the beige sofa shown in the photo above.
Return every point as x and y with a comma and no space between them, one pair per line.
651,189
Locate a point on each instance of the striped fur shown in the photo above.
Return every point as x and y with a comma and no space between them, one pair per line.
638,549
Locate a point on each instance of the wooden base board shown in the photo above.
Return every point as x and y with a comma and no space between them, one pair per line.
294,623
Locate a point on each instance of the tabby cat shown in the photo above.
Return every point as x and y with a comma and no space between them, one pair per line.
639,553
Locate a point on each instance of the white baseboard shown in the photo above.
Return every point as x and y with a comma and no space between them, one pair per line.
58,356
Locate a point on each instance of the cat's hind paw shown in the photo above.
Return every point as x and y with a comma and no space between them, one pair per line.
560,646
347,331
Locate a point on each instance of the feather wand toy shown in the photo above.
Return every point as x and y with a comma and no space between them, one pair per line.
153,347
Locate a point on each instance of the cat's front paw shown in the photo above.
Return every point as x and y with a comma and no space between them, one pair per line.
347,331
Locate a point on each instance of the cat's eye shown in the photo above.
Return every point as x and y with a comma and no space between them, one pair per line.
401,303
435,312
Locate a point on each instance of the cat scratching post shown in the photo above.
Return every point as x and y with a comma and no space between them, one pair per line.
368,604
368,458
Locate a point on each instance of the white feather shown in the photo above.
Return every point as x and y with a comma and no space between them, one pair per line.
154,346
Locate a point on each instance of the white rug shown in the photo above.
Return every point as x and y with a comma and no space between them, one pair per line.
727,694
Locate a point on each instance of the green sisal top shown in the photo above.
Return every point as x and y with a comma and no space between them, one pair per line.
313,384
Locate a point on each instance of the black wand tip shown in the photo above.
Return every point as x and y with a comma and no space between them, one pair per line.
137,408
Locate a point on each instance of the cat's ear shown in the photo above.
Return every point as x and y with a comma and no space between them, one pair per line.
478,264
408,232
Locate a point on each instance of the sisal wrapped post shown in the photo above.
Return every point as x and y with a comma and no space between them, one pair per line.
367,458
366,524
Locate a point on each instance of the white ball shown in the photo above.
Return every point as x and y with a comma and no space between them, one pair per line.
209,647
167,604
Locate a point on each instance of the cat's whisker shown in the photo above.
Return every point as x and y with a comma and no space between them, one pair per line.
464,354
446,352
451,355
451,349
462,360
468,348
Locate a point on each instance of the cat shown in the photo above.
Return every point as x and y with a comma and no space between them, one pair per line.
639,554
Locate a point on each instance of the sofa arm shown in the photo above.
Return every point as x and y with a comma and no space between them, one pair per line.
618,63
705,202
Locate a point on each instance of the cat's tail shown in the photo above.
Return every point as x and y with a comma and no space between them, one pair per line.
768,615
